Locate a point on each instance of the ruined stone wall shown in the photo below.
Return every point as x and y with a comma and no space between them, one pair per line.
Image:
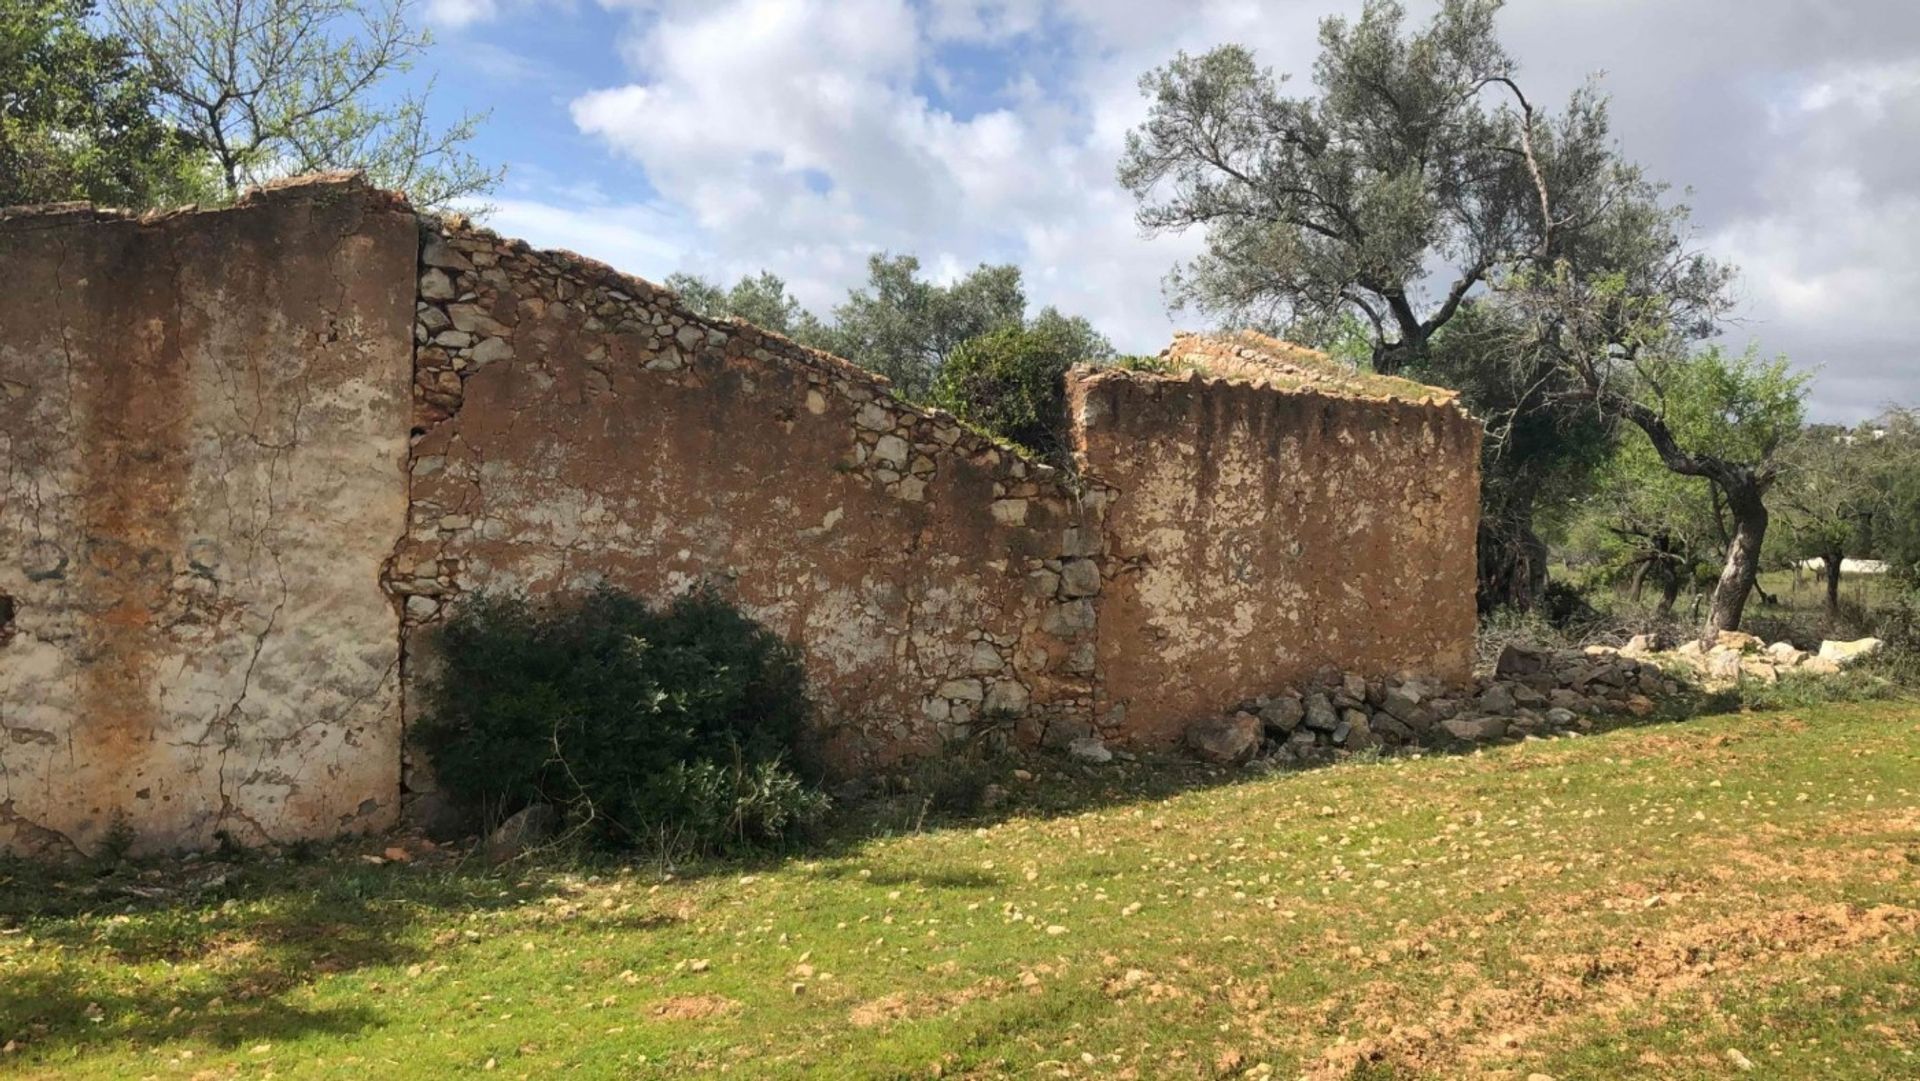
252,458
203,424
576,427
1259,534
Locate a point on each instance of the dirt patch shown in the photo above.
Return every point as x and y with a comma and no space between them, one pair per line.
1904,823
1660,965
902,1005
694,1007
1484,1023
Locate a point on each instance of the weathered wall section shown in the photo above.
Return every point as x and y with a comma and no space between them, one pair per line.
577,426
252,457
1260,534
203,426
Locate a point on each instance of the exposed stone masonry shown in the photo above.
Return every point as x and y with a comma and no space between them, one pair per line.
223,620
202,450
487,302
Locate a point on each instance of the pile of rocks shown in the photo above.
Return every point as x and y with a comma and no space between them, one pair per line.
1730,656
1530,692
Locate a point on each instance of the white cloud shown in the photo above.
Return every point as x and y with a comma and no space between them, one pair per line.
796,136
984,20
1827,252
460,13
799,136
650,241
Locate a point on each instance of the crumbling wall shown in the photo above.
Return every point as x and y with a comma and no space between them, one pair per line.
252,457
577,427
1260,534
203,426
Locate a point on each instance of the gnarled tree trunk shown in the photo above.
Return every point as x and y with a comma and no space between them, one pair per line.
1833,561
1745,487
1745,499
1676,577
1512,564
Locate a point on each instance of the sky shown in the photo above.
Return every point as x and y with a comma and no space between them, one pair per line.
723,137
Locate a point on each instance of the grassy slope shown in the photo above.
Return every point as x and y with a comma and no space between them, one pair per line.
1634,904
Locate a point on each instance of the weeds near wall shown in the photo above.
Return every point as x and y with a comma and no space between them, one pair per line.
637,723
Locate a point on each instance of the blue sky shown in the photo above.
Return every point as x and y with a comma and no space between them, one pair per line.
800,136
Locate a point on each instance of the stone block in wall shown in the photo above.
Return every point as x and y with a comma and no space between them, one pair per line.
620,438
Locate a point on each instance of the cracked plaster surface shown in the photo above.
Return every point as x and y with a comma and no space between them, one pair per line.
1264,536
205,437
252,458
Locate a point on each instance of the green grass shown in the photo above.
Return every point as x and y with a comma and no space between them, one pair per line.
1634,904
1805,593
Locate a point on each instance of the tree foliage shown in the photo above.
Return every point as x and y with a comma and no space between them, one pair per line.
1337,203
908,328
1012,381
1419,149
904,326
1538,460
1896,522
1830,491
761,299
1848,493
76,116
271,88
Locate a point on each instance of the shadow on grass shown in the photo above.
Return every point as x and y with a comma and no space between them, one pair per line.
214,951
250,935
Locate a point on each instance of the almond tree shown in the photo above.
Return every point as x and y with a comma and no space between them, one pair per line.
270,88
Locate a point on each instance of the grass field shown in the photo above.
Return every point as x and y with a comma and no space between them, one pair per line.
1728,896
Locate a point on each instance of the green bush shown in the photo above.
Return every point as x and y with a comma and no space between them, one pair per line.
640,724
1155,365
1011,382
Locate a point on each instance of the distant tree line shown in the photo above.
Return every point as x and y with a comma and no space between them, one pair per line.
969,347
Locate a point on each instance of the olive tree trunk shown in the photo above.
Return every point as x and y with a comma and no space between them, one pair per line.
1745,499
1745,487
1833,562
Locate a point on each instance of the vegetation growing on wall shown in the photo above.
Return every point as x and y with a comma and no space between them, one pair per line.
1012,383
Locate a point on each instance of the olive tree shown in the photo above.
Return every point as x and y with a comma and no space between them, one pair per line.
1854,492
904,326
761,299
1414,148
1420,150
1896,528
1382,204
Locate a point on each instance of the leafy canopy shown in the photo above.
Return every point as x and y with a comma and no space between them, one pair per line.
1012,381
76,119
761,299
899,324
904,326
271,88
1335,204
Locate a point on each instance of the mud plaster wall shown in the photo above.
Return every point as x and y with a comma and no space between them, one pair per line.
251,457
203,423
1259,535
575,426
